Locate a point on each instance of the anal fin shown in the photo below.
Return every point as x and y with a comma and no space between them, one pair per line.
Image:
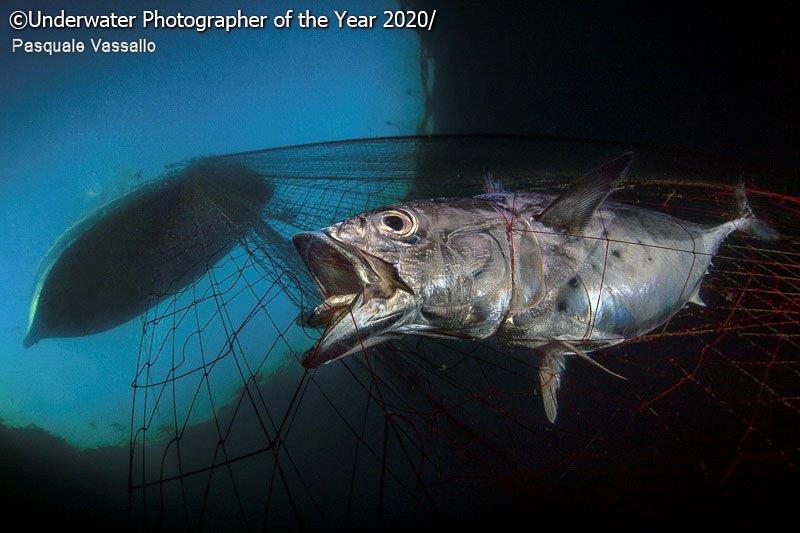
552,363
551,369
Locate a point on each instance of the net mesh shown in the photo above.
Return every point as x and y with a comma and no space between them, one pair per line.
227,428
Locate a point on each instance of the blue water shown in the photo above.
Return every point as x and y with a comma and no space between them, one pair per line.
79,129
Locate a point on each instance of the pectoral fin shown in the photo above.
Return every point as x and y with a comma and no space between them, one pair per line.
573,210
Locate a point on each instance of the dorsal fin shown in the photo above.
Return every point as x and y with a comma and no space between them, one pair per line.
490,183
572,210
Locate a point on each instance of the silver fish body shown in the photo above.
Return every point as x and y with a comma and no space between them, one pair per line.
628,272
560,275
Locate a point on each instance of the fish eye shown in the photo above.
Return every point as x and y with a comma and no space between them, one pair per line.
397,222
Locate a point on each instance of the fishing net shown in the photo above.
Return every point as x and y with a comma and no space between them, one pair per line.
228,429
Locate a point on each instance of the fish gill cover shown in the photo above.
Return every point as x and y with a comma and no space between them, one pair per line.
228,428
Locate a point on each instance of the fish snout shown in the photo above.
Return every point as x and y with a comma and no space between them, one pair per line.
353,230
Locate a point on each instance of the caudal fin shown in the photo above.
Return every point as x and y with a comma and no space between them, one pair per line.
749,223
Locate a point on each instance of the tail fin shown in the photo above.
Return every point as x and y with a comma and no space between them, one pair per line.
747,221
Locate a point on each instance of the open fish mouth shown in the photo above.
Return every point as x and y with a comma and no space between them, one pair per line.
339,272
362,297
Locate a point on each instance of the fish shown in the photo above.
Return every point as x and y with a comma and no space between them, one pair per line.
559,275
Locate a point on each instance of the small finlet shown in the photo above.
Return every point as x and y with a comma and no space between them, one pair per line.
572,211
491,184
696,300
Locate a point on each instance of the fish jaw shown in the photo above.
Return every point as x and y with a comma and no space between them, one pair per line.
363,299
360,326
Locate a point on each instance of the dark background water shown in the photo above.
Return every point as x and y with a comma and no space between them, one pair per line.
721,80
718,79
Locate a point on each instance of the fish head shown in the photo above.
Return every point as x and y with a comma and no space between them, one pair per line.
437,268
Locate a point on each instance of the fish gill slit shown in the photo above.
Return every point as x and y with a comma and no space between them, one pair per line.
593,317
511,251
508,220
